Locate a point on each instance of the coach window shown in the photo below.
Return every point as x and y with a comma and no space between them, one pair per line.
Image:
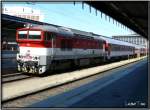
113,47
128,48
117,47
121,48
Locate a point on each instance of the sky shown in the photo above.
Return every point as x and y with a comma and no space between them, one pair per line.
73,16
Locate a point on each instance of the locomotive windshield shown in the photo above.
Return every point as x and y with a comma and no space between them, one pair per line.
22,34
34,35
29,35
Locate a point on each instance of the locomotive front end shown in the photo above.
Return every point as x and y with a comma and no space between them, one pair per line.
28,63
32,56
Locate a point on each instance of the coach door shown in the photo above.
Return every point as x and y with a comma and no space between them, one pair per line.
108,50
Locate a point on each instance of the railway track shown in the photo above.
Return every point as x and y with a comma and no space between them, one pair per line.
8,78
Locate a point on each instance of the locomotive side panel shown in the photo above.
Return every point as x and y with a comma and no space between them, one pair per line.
50,49
74,48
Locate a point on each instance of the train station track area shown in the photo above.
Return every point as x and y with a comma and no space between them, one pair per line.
36,84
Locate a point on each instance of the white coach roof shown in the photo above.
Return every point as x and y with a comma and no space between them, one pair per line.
118,42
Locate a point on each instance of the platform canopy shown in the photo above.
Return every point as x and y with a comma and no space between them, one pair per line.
133,14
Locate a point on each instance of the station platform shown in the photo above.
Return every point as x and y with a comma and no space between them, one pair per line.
128,88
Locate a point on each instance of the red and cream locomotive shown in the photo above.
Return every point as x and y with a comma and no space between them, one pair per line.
42,47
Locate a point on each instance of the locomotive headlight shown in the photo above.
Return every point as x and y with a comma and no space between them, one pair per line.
35,58
19,56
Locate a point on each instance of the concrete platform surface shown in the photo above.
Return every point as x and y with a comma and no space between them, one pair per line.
125,88
35,84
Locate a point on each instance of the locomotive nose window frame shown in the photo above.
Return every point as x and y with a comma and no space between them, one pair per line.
22,34
30,35
36,35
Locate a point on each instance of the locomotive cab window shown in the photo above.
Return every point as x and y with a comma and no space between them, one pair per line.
22,34
34,35
49,36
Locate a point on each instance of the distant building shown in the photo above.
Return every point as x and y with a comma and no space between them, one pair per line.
133,38
23,12
8,35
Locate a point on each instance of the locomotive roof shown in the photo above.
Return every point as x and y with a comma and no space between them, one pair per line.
59,30
78,32
82,34
68,32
